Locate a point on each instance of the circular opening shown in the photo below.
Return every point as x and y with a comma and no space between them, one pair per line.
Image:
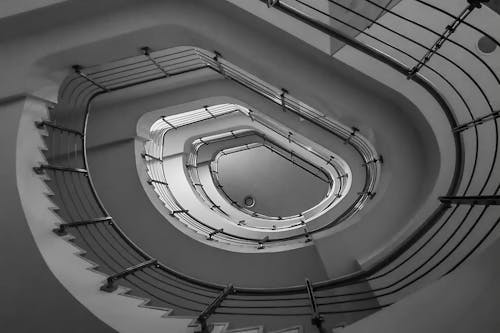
486,45
249,201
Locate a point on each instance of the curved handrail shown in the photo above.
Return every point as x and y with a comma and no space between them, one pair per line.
82,92
360,145
266,142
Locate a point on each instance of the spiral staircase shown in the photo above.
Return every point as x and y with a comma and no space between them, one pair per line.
122,122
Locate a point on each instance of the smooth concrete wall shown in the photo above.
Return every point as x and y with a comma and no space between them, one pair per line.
465,301
279,187
33,299
15,7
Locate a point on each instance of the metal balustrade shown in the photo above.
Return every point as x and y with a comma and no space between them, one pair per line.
273,147
365,151
161,128
449,236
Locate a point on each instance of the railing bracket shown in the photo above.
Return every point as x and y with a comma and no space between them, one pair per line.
110,285
61,229
201,320
213,233
40,169
316,317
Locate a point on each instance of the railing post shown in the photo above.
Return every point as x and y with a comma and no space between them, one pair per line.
375,160
202,318
147,53
478,121
307,235
110,281
208,111
353,133
40,169
41,124
78,70
316,318
151,181
283,101
213,233
168,123
144,155
449,30
250,112
61,229
179,212
220,67
262,242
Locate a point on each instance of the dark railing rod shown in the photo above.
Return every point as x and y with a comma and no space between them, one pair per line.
41,124
39,169
478,121
449,30
144,155
151,181
471,200
110,285
147,52
61,230
202,318
78,70
316,319
168,123
213,233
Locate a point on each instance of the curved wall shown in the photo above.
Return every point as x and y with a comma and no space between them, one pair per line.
110,107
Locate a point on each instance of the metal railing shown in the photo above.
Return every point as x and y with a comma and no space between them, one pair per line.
275,148
448,237
370,159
